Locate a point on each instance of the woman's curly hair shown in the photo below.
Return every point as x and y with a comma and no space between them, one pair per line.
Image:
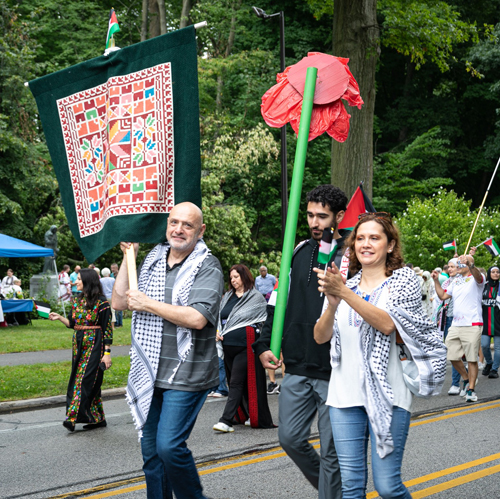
394,259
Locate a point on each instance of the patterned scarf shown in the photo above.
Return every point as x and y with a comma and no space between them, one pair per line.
147,329
422,339
250,309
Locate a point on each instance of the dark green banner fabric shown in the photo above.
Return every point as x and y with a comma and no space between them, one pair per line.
124,138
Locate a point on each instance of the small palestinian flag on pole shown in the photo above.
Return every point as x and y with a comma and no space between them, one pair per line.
43,309
491,246
450,245
113,28
327,246
359,203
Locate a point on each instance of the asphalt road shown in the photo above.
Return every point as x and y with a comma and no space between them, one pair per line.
452,452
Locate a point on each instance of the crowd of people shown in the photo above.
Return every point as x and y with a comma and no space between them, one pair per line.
347,344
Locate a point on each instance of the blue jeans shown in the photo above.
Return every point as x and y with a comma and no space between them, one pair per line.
119,318
485,346
351,428
168,463
455,375
222,388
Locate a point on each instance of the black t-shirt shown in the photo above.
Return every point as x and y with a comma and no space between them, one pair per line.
236,337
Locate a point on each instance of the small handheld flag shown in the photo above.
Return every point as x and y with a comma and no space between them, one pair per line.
113,28
450,245
327,246
491,245
43,309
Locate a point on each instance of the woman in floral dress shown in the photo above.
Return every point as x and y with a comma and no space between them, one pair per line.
92,339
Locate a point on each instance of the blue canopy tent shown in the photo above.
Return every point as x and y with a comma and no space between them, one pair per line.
11,247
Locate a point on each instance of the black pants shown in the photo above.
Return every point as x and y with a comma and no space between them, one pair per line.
235,360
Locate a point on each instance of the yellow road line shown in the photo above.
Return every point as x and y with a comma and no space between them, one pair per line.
266,456
445,472
456,482
465,412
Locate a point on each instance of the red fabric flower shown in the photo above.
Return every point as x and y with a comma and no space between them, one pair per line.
283,102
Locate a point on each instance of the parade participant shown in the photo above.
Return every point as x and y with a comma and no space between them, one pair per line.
448,318
491,322
264,283
305,387
174,360
64,284
367,394
92,339
464,335
242,312
72,278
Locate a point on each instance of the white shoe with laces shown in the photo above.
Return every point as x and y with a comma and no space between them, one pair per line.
454,390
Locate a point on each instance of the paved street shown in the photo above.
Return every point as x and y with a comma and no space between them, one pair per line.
452,452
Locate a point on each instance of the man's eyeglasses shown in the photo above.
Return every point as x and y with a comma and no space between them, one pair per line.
376,214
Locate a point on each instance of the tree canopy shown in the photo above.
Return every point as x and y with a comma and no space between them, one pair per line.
435,116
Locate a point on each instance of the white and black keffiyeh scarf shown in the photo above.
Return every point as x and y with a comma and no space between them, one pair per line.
147,328
422,339
250,309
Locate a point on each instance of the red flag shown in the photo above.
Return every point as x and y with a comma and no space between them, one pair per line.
359,203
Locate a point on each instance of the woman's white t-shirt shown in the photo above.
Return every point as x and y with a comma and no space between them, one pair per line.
346,387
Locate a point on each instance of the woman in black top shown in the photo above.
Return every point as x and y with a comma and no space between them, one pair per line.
242,311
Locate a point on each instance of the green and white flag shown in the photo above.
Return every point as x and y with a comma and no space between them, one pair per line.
326,246
43,309
113,27
492,246
450,245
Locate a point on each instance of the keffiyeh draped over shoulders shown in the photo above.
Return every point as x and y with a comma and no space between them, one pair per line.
147,328
250,309
404,305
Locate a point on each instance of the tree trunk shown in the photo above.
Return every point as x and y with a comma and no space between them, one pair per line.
163,18
144,24
154,19
186,9
356,36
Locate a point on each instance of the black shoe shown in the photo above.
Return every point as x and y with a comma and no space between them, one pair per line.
487,369
69,425
493,374
102,424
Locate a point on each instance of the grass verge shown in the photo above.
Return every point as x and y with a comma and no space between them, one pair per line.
46,380
49,335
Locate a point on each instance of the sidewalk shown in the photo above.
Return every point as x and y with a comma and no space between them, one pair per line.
47,357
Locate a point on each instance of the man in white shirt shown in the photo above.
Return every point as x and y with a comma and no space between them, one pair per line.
464,335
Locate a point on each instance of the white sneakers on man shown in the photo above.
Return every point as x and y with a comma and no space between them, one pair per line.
223,427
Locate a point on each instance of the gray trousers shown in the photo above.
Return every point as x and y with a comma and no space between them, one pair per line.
299,401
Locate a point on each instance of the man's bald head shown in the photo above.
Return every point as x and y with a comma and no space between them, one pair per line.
185,227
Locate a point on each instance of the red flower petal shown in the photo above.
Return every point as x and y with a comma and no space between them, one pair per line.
339,129
278,103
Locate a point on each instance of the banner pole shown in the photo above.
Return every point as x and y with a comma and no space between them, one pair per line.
481,207
131,268
293,210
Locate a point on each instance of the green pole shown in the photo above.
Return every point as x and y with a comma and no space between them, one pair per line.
293,210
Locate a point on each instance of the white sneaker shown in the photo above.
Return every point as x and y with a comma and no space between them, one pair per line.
247,422
223,427
217,395
454,390
471,396
463,392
